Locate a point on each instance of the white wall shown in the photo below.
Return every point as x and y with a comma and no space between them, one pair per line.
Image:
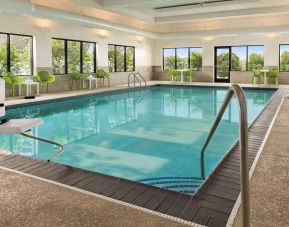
148,51
271,46
271,54
44,30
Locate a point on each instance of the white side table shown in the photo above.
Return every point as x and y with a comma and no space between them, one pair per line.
265,76
90,80
182,74
29,83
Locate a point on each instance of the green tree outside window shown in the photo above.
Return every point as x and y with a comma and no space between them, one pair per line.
129,59
111,57
284,58
75,63
58,56
121,58
185,58
88,57
196,60
73,56
256,61
20,54
3,53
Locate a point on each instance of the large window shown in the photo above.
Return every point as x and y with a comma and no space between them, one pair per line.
111,58
255,57
239,58
58,56
88,56
184,57
169,58
16,54
73,56
120,63
121,58
69,56
3,53
284,58
247,58
129,59
196,59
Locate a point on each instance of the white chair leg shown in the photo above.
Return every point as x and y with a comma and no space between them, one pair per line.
27,89
19,90
37,89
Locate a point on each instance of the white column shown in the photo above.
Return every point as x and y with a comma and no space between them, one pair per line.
42,49
208,53
271,54
102,52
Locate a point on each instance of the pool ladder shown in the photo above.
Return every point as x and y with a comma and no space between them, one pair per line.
136,76
235,89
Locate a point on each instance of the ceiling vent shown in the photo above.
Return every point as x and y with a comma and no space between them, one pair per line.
197,5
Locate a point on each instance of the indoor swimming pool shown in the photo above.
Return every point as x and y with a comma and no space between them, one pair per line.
153,136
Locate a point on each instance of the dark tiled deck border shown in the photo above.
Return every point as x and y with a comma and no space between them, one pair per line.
210,206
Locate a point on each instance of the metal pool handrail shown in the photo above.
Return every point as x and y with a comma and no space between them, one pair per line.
46,141
136,78
129,78
141,78
235,89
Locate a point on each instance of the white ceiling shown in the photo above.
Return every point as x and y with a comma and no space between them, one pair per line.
187,15
184,10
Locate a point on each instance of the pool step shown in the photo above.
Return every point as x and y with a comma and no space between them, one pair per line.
188,185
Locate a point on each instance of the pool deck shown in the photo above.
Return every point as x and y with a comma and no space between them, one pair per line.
212,204
270,181
26,201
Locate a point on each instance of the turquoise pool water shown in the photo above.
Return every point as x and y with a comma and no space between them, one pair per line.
153,136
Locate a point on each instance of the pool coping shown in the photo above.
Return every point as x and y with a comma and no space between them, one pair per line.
117,90
211,205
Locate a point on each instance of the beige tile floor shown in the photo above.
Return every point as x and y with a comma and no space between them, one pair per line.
30,202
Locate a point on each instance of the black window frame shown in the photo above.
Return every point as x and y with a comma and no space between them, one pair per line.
81,55
189,56
247,56
125,65
8,57
281,44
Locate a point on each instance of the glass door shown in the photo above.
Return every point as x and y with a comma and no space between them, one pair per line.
222,64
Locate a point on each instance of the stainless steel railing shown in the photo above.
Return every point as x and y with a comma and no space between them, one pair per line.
46,141
237,90
138,74
135,77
